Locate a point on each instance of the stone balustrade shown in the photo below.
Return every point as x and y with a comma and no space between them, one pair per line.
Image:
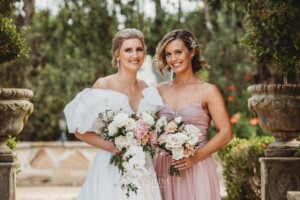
51,163
54,164
293,195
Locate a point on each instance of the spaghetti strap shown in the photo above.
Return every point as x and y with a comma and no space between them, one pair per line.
201,92
167,85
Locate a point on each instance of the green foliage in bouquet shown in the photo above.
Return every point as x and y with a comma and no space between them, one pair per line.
130,187
12,42
242,168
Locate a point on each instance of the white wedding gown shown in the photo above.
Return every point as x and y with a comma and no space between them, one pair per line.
103,180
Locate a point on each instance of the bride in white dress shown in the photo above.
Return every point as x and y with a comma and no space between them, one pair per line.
121,90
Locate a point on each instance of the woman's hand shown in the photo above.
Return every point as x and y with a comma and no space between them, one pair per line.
184,163
113,149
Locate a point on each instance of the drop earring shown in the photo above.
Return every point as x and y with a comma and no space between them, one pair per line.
118,63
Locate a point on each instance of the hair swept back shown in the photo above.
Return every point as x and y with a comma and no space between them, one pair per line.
190,42
120,37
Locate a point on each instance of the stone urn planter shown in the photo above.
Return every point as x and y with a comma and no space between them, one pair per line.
15,109
278,110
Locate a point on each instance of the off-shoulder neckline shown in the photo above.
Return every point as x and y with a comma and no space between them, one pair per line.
109,90
127,97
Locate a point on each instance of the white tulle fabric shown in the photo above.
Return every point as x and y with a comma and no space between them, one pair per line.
103,180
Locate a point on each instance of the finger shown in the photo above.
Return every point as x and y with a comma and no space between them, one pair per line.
181,166
177,162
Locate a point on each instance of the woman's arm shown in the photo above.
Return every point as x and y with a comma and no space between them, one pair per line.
214,101
95,140
92,138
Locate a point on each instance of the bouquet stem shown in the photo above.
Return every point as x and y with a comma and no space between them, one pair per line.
173,171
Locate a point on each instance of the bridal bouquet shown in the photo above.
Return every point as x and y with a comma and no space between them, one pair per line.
177,139
133,135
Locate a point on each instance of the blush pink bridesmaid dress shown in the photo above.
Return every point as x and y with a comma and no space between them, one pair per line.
200,181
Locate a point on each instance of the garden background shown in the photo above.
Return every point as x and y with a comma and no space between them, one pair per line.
69,48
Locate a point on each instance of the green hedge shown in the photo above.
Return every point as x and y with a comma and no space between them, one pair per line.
242,168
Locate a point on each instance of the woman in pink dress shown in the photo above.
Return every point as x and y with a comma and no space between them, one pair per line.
197,102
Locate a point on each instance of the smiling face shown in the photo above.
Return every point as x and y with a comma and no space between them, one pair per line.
131,55
178,56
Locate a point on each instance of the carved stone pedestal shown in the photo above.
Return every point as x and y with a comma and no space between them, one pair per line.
7,180
278,110
279,175
15,109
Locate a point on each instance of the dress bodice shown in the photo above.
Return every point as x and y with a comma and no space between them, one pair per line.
82,112
191,114
199,181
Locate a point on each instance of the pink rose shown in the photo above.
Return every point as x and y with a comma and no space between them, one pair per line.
140,129
170,127
153,138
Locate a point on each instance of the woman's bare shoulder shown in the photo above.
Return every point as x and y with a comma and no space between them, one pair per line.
211,91
161,86
103,82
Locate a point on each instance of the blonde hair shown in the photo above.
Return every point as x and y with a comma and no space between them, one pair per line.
189,41
120,36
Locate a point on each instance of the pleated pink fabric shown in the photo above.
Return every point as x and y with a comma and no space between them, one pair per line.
199,182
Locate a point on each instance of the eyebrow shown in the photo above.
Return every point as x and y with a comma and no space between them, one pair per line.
140,47
174,50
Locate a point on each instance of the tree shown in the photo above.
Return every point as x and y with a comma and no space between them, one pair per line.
12,42
71,49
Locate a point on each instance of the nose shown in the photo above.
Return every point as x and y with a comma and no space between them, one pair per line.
135,53
173,57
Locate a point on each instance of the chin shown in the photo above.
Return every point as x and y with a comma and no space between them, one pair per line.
178,70
135,68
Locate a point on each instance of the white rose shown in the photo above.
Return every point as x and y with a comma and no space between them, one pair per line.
129,135
148,119
130,124
132,142
176,140
120,142
112,129
162,138
121,119
193,139
177,153
135,150
178,119
162,121
192,130
137,159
